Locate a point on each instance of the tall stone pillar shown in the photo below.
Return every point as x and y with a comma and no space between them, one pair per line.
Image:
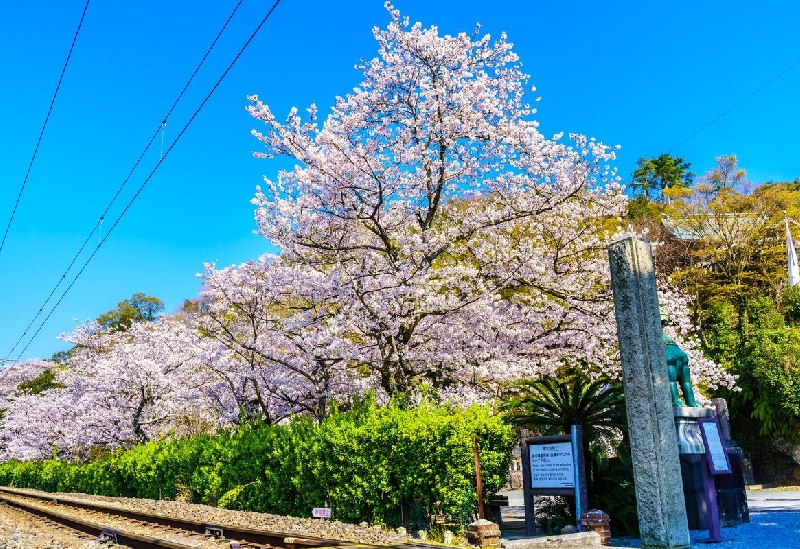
654,446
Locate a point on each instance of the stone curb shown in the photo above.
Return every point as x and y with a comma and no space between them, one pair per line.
580,540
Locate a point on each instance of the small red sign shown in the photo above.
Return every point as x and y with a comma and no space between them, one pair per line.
321,512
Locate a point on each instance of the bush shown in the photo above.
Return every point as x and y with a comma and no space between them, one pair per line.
370,463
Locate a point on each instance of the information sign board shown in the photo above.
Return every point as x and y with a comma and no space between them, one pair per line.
552,465
321,512
715,448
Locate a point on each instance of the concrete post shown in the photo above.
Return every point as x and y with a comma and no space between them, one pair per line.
654,446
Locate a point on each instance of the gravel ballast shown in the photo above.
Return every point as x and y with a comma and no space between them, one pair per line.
291,526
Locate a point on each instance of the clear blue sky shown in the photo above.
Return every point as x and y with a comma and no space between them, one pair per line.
644,75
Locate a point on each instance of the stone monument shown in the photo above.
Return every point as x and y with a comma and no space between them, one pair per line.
654,448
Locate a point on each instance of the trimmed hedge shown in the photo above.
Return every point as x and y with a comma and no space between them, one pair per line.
387,465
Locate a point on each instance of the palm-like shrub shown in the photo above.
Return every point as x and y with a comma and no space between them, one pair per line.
550,406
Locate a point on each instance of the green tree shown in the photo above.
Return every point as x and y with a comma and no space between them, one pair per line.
653,176
41,383
770,380
735,242
139,308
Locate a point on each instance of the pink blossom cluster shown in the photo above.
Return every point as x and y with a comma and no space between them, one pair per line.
120,388
458,246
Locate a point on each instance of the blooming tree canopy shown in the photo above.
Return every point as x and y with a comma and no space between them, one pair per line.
121,387
284,345
461,246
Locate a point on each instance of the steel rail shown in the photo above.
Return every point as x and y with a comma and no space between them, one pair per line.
247,535
104,534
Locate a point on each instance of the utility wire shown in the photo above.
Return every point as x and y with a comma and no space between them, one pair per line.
147,147
152,172
46,119
773,79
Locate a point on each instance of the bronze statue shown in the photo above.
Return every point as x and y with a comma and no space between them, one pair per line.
680,378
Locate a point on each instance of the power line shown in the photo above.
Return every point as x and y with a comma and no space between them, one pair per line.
147,147
46,119
153,171
770,81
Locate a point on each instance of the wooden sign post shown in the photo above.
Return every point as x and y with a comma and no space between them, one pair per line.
714,462
553,466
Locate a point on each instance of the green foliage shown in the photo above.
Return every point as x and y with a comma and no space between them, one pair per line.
791,304
138,308
654,175
550,406
367,463
613,491
721,338
642,209
737,246
770,380
760,314
44,381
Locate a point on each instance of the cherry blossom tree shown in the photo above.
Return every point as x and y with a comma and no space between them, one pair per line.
121,387
461,246
284,345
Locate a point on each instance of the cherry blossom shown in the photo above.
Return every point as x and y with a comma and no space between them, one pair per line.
460,245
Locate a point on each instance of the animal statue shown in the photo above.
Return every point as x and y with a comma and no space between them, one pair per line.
680,378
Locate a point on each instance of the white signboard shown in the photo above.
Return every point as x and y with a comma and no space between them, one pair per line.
321,512
552,465
715,449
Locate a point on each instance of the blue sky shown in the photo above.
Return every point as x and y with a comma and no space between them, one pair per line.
643,75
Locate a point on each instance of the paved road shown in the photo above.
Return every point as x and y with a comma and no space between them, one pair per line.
757,500
769,500
769,528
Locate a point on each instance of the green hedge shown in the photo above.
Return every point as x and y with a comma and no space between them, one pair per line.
365,464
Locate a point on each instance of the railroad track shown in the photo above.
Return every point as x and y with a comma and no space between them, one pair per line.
137,529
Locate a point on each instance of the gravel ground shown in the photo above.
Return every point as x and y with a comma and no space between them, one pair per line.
291,526
770,530
19,531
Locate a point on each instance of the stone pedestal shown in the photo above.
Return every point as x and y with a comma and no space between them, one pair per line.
483,533
690,440
596,520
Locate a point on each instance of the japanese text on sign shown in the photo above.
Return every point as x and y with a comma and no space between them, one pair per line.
552,465
321,512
